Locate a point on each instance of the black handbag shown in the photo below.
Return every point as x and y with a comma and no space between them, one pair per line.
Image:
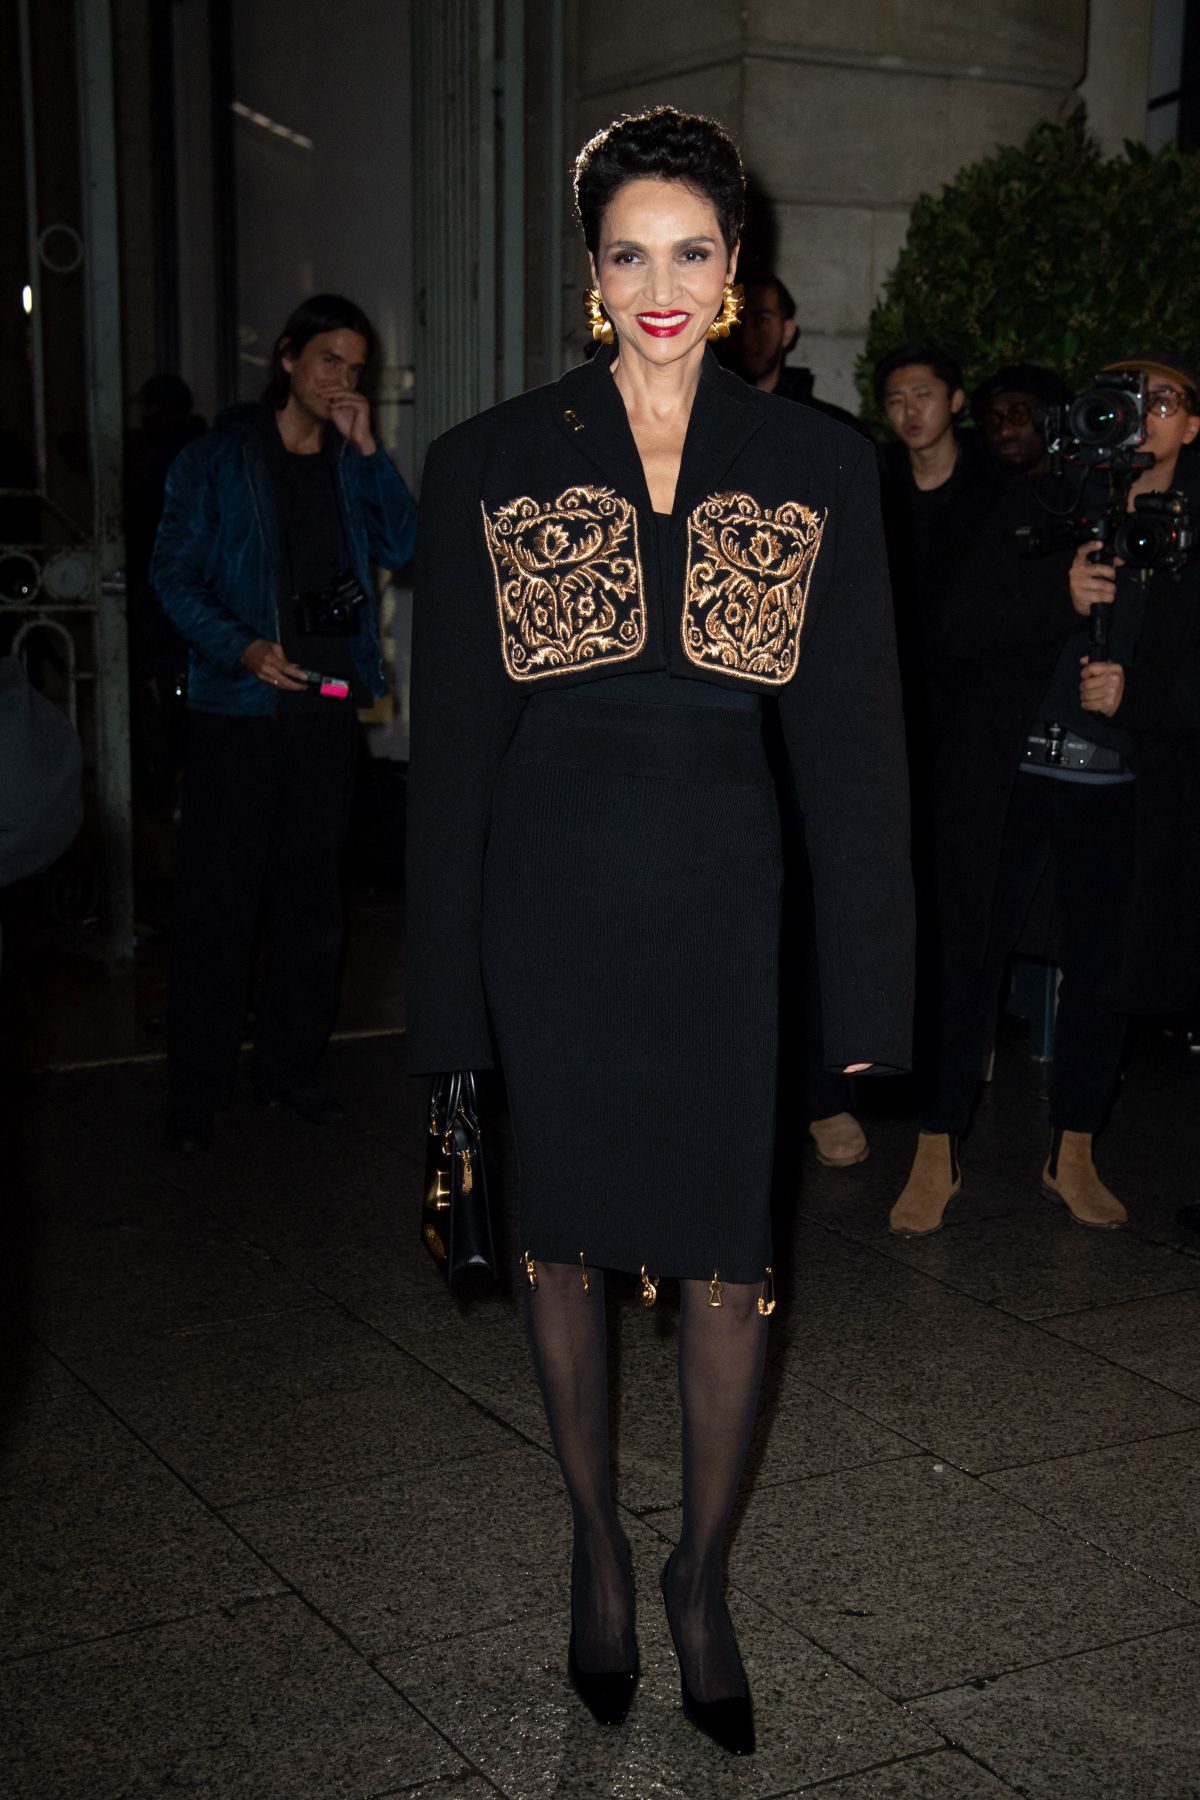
456,1223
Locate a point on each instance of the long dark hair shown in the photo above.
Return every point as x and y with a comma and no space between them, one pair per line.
321,312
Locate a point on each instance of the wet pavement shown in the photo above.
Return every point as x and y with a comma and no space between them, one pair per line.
280,1520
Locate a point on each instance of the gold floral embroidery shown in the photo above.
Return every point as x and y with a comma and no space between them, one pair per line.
748,571
568,575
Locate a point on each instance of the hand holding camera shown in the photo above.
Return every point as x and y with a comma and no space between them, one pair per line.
1092,583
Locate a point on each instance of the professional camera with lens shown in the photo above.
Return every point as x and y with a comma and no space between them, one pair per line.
1100,434
333,612
1106,422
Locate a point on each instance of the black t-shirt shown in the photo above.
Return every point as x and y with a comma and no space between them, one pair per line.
313,553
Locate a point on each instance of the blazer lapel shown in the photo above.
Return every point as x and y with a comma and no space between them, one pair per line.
590,414
724,419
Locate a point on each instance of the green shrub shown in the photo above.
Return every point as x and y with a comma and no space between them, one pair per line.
1049,253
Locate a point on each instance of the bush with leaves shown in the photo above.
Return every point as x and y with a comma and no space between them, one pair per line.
1049,253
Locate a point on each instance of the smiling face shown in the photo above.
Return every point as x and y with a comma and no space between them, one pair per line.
330,363
661,268
920,408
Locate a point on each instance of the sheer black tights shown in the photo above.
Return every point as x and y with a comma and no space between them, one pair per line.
569,1340
721,1352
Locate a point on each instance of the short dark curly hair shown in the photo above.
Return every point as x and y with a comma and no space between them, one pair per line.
662,144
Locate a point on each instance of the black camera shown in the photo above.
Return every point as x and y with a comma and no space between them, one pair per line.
1100,433
1158,534
333,612
1106,422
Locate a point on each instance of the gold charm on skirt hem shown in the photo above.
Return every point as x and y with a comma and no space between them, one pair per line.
715,1291
530,1268
649,1288
766,1299
587,1280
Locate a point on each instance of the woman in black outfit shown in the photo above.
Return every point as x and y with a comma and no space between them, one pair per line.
616,575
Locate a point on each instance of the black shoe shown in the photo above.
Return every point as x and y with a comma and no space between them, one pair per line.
729,1723
310,1103
606,1696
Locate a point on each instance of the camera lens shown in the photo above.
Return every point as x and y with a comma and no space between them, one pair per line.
1104,418
1143,542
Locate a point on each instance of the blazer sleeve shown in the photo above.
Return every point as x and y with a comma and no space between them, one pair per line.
463,711
844,730
189,528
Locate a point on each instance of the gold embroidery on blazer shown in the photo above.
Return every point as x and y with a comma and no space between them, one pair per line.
568,574
748,571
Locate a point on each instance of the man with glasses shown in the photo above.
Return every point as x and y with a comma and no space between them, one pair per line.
1091,770
1005,408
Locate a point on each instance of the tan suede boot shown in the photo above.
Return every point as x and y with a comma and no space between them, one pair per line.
840,1140
933,1181
1070,1176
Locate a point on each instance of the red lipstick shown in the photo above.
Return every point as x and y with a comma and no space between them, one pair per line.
664,324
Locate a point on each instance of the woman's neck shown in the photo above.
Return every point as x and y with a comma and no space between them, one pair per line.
658,391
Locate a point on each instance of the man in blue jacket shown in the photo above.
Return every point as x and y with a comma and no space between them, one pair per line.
263,565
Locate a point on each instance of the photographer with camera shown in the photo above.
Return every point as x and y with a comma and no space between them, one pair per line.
263,564
1075,747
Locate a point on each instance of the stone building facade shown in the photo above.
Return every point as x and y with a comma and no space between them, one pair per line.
845,114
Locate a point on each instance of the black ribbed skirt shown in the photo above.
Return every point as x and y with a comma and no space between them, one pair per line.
631,917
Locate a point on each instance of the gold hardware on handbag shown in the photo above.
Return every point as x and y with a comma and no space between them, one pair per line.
456,1226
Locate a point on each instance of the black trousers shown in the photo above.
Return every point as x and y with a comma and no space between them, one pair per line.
1084,834
266,803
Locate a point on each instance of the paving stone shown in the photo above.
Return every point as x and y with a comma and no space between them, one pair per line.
952,1374
397,1562
1137,1502
276,1405
1155,1337
1118,1722
503,1700
1036,1266
261,1703
945,1775
921,1577
97,1536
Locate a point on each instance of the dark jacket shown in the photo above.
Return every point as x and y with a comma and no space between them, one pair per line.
216,564
531,575
40,767
1006,619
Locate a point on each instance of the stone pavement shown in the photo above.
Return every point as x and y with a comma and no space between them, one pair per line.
280,1522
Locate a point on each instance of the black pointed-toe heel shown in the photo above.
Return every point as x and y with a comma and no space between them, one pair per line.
606,1695
728,1722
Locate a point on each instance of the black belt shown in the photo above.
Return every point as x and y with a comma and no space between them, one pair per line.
1054,747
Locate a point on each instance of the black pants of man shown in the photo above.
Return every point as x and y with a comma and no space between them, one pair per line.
1084,833
266,803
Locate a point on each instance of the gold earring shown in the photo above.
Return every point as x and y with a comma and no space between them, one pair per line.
732,301
602,331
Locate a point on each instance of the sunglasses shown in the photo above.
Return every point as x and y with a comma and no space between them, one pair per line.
1019,414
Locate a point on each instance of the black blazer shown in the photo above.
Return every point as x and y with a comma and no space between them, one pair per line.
534,571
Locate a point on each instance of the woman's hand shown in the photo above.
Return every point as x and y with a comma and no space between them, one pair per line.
856,1068
1091,583
1101,687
